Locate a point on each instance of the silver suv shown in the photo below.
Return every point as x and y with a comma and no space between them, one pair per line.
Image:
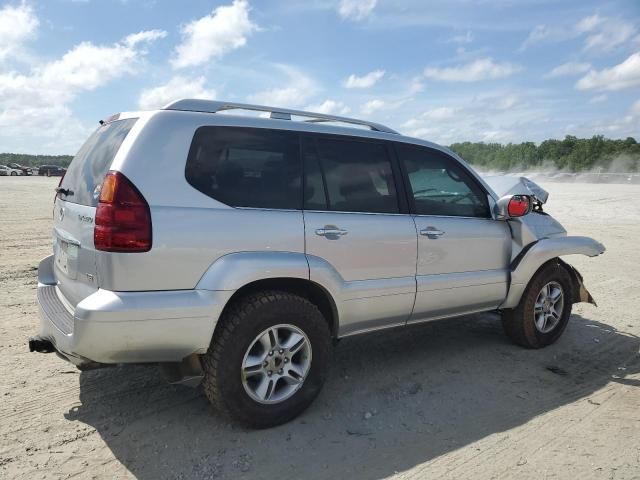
232,249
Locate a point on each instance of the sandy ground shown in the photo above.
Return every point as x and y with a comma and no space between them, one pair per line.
450,399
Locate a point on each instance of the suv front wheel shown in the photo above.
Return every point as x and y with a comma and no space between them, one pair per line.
268,359
544,309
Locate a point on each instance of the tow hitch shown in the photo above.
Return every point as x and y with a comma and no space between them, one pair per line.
42,345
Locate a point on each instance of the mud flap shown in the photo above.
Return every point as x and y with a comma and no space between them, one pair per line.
581,293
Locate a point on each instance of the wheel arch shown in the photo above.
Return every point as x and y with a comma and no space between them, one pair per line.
525,266
308,289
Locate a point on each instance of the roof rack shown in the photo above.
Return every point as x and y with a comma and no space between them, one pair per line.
214,106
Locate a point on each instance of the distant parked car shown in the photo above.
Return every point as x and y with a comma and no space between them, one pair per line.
4,170
22,168
51,170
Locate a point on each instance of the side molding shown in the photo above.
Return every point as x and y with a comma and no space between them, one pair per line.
233,271
543,251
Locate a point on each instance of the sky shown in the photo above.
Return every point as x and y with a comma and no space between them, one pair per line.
443,70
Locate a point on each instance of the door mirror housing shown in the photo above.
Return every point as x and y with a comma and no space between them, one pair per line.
513,206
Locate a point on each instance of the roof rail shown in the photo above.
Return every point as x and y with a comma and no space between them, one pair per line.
214,106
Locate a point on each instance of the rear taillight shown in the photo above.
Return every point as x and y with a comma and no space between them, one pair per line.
519,205
123,219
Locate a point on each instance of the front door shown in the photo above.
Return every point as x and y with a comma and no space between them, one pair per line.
357,232
463,253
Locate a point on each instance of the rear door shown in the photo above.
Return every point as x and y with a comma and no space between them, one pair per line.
74,211
463,253
357,226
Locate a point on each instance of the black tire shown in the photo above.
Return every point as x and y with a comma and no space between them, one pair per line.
13,174
239,326
519,323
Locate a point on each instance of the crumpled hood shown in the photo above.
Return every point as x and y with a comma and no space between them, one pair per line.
509,185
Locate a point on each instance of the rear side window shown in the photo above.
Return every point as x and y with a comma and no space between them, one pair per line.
246,167
357,175
92,162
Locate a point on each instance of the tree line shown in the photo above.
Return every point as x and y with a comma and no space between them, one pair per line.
571,154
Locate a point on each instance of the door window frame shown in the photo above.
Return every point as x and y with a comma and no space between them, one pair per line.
448,159
396,171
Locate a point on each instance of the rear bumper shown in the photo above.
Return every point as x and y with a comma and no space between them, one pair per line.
127,327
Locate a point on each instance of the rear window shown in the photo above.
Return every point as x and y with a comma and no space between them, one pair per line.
92,162
246,167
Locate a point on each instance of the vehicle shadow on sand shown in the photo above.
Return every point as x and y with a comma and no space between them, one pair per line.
394,400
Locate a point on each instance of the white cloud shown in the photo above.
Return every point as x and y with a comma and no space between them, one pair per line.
599,99
440,113
429,123
17,24
297,90
416,85
482,69
212,36
176,88
602,34
329,107
621,76
145,36
540,34
366,81
588,24
87,66
567,69
356,9
605,33
372,106
34,107
625,126
462,38
506,102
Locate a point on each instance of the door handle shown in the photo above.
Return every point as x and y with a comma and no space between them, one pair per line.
431,232
330,230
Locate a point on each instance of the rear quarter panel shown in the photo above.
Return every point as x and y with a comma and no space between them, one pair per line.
190,230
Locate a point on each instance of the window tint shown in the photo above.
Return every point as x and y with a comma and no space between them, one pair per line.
246,167
440,186
358,176
92,162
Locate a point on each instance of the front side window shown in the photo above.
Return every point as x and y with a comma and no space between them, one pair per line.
440,186
358,176
246,167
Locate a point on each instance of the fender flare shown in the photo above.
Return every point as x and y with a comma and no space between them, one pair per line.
235,270
525,265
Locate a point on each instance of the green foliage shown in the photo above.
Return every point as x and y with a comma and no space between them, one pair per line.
35,160
571,154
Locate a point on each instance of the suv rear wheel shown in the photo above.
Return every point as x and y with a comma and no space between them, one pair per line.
268,359
544,309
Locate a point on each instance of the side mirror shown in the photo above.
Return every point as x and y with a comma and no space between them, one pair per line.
513,206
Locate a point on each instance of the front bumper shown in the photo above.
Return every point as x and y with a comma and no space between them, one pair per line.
127,327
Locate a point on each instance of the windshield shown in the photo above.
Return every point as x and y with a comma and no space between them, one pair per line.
90,165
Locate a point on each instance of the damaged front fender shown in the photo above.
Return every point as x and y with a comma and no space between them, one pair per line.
581,294
527,263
